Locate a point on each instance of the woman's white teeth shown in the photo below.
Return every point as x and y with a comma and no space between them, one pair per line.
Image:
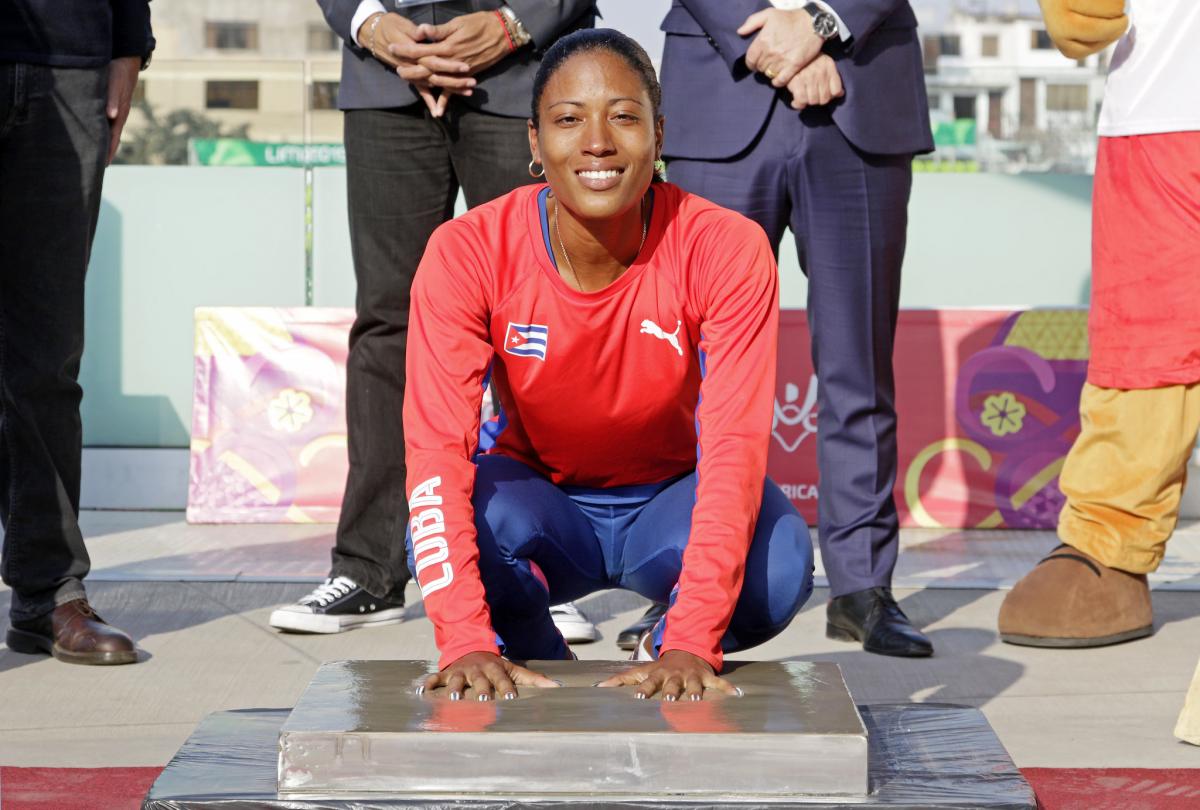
605,175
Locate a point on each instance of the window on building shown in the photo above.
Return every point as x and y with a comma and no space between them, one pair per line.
931,50
935,46
989,45
1067,97
1028,102
231,36
1039,40
323,96
996,114
964,106
231,95
322,38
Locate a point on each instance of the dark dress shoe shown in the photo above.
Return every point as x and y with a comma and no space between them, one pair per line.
873,617
628,638
73,633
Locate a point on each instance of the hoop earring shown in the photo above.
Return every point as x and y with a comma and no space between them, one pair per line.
541,172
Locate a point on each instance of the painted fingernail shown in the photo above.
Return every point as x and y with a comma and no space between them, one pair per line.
510,695
420,690
455,696
669,698
484,698
737,690
639,695
695,697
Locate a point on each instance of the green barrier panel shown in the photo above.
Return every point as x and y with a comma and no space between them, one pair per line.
239,152
959,132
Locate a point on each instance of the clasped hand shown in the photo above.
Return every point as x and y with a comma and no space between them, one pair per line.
676,675
438,60
788,52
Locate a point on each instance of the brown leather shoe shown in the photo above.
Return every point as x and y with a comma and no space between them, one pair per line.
73,633
1071,599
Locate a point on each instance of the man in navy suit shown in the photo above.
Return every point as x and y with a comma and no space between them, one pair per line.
809,116
436,97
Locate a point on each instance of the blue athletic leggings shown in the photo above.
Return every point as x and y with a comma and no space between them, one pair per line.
587,540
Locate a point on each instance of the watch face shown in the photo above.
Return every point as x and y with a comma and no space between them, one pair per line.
825,25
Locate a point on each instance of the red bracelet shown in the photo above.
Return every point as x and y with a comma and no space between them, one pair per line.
512,46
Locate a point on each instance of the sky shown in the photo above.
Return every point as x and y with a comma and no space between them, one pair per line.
640,18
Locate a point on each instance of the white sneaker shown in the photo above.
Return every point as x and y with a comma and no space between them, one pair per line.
644,651
573,625
336,605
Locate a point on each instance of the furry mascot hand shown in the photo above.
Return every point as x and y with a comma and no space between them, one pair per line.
1082,27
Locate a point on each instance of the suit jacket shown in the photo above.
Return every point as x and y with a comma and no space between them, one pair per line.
506,88
715,106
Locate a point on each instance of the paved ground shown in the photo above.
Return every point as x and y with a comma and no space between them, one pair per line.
207,647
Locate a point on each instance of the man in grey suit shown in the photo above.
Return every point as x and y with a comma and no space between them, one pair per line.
436,97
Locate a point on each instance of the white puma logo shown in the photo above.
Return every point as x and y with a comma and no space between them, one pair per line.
649,327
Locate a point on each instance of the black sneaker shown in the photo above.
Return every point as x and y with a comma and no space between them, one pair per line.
629,637
337,605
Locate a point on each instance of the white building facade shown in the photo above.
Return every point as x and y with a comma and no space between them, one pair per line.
1033,108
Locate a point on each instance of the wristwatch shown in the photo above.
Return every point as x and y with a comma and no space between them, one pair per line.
824,24
520,36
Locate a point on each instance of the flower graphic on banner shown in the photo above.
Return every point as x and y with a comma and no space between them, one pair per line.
1003,413
290,410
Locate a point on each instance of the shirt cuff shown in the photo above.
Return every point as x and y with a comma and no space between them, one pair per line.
365,9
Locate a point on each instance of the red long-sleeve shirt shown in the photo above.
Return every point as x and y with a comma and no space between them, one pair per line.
670,368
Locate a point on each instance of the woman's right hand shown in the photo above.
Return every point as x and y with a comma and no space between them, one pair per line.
487,674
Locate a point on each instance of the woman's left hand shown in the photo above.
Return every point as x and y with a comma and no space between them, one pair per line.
677,674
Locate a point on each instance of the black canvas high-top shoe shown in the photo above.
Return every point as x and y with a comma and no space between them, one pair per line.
336,605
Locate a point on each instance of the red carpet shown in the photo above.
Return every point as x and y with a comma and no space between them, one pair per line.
1056,788
1115,788
74,788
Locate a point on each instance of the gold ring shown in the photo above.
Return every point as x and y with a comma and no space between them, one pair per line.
770,74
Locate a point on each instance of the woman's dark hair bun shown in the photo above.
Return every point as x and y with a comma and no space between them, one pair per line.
597,39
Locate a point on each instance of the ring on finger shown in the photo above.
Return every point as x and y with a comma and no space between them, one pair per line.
770,74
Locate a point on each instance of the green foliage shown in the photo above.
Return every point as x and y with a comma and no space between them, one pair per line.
163,140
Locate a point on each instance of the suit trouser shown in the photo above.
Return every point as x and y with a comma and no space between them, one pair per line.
403,172
848,211
54,137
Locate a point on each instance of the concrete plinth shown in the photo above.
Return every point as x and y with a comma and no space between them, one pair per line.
362,729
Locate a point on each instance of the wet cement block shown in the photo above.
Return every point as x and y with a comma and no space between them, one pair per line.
361,728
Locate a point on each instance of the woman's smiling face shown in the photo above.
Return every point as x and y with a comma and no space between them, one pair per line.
598,136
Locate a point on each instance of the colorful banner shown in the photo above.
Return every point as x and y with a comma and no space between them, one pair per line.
988,404
268,415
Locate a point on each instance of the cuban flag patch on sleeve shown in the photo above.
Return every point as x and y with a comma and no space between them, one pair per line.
526,339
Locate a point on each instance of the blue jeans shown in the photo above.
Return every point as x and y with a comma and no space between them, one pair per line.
541,545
